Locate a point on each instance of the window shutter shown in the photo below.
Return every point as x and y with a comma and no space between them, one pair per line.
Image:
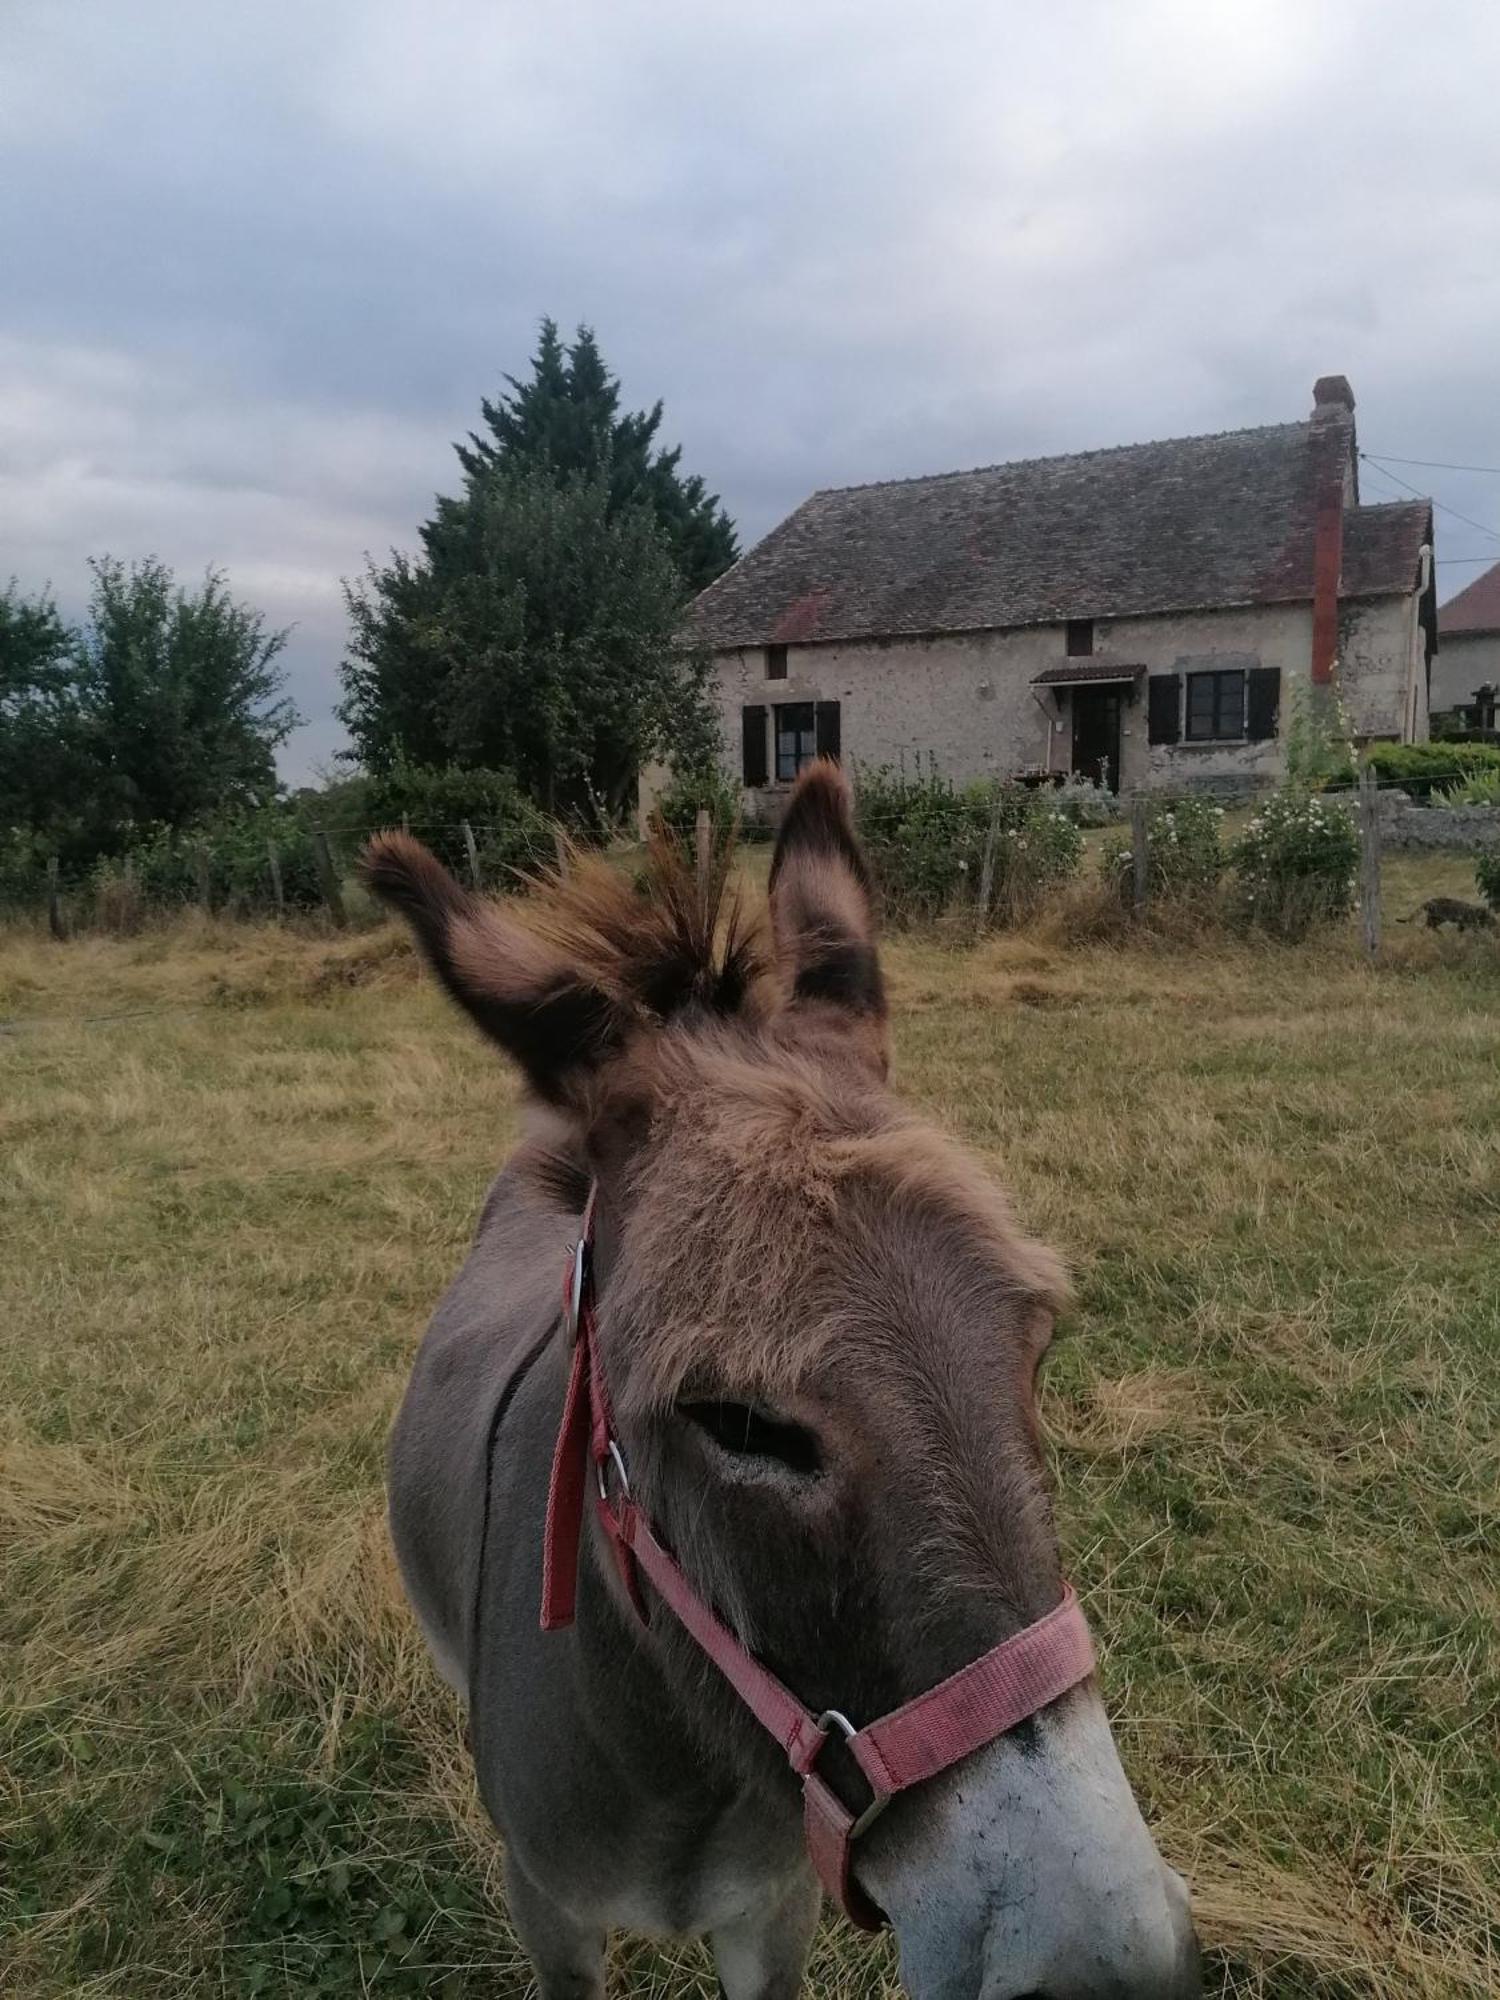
1164,708
1265,703
754,725
828,729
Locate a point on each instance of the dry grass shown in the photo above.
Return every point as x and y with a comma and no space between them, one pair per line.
236,1169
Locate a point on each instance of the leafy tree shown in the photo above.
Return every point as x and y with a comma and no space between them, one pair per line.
567,417
183,694
536,630
46,740
535,636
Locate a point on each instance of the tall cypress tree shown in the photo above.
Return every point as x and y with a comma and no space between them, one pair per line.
537,631
566,417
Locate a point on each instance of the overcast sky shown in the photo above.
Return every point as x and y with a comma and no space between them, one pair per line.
261,262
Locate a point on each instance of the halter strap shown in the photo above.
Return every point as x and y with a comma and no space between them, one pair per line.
927,1734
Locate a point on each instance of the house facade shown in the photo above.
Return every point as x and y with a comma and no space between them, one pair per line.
1466,672
1135,615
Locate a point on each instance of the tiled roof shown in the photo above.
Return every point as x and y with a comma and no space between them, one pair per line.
1382,547
1475,609
1178,525
1086,670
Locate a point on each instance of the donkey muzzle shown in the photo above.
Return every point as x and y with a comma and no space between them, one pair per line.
1027,1873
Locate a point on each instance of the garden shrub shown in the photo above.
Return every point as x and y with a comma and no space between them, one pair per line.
1419,767
1296,863
1319,738
1487,875
1481,788
1085,802
159,868
510,832
1184,850
926,841
708,790
23,869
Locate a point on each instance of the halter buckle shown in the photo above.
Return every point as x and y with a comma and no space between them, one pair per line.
575,1289
601,1473
836,1718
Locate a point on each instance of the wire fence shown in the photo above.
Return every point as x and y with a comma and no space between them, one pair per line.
305,868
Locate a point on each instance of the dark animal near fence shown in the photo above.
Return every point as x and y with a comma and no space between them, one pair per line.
798,1377
1440,910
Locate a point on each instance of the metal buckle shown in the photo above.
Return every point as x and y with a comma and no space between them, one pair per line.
880,1800
575,1289
601,1470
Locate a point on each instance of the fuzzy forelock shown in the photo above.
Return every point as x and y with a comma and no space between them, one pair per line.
659,942
739,1210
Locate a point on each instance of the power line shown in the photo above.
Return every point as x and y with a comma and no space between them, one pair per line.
1447,562
1432,464
1467,519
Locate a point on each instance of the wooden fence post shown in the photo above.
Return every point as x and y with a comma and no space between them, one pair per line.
274,859
328,878
203,879
703,850
987,864
1140,851
1369,860
473,849
560,847
55,921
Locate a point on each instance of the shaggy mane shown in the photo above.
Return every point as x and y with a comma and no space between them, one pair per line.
658,940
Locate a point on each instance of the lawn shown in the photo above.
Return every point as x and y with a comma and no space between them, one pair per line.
237,1166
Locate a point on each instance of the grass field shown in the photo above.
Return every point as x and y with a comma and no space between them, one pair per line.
238,1166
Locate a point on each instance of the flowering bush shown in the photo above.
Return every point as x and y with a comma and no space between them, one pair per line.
1184,849
1487,875
1296,863
1085,802
926,841
1319,738
1037,847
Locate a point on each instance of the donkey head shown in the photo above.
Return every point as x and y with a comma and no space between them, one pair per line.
822,1329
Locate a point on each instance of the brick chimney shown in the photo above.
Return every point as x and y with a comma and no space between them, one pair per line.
1331,443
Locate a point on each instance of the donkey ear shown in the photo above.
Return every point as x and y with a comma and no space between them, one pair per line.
548,1018
820,903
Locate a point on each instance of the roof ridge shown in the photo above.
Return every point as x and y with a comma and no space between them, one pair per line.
1052,458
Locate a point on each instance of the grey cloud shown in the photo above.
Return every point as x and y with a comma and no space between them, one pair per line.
267,260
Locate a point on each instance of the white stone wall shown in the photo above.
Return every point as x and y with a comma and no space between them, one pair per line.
965,705
1464,661
1382,671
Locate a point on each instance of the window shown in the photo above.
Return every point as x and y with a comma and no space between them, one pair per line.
776,663
1080,638
1216,707
796,738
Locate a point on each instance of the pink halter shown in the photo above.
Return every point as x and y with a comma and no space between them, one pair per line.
913,1743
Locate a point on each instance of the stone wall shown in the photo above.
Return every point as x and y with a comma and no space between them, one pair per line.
965,706
1460,829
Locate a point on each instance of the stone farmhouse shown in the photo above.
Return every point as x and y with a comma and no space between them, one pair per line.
1466,672
1136,615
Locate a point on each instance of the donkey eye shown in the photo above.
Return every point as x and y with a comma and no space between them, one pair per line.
745,1432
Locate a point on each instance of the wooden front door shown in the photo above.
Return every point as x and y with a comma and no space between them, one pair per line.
1096,735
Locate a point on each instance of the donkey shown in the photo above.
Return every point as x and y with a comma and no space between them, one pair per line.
735,1397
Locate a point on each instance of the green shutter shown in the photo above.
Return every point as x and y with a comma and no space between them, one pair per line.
753,723
1264,707
1164,708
